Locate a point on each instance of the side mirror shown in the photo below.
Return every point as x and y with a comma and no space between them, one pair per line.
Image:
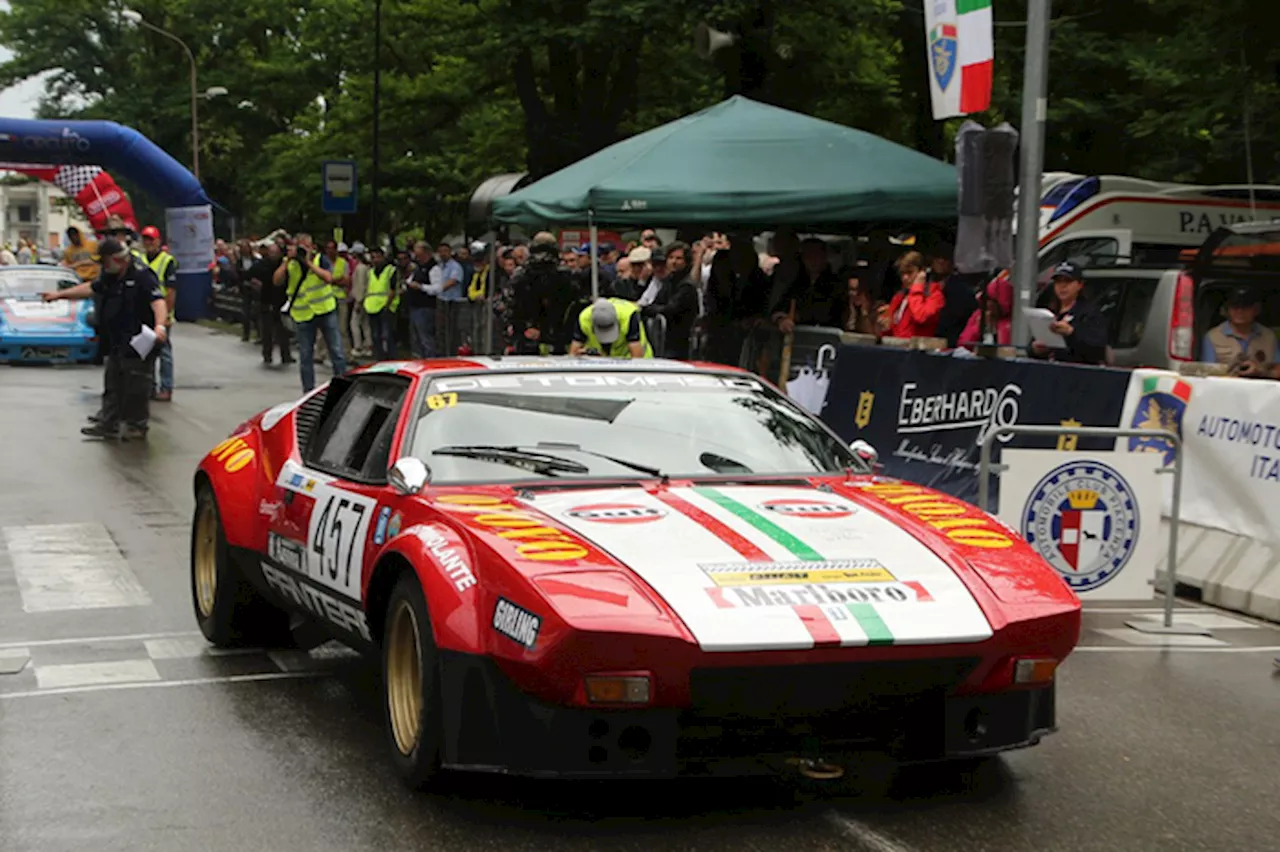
865,452
409,476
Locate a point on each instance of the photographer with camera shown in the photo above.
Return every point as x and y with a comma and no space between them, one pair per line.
311,305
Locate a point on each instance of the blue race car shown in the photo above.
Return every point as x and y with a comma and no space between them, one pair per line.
33,331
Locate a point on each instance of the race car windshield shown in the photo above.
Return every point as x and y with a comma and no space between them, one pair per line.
29,284
504,426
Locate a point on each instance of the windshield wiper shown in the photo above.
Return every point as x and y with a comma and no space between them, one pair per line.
576,448
537,462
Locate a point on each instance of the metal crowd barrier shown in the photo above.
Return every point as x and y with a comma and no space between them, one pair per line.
986,468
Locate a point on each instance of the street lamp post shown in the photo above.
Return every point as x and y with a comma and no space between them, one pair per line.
134,17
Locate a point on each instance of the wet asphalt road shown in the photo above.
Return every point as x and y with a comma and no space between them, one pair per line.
121,732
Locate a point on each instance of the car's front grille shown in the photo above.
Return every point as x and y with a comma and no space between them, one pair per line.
798,691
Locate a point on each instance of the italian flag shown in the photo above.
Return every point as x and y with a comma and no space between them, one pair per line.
977,54
961,55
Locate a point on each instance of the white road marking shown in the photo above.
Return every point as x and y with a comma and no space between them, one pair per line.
197,681
1209,621
14,652
95,674
864,835
1170,640
71,566
189,648
13,660
1234,649
92,640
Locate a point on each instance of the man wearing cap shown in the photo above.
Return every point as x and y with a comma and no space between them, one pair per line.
1077,320
633,278
361,339
613,328
131,298
165,266
1241,342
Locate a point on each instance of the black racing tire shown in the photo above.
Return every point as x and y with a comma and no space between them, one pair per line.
411,686
230,612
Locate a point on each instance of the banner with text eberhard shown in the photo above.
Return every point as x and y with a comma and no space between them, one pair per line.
927,414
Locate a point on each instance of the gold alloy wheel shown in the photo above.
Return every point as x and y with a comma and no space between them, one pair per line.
404,677
206,559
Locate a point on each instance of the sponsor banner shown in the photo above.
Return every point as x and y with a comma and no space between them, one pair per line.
927,414
1230,431
1094,517
752,568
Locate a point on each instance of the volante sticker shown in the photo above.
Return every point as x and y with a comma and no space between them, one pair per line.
451,559
536,540
516,623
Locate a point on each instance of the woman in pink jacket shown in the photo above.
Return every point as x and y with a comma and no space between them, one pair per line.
999,312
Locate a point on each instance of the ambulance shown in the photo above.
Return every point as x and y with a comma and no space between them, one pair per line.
1113,221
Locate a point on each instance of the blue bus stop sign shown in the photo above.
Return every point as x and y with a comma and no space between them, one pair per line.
338,179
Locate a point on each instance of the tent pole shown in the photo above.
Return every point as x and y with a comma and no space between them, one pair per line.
595,257
493,285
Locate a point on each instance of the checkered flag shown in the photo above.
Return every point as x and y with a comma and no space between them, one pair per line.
73,179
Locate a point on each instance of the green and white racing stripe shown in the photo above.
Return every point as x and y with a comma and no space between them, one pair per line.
766,567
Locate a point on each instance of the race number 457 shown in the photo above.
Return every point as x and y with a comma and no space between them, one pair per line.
335,542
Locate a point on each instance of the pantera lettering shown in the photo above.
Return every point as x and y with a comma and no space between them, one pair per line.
516,623
344,615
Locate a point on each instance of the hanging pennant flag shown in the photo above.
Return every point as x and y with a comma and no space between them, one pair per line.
961,55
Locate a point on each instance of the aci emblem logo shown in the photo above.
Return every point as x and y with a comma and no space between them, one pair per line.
1083,519
616,513
809,509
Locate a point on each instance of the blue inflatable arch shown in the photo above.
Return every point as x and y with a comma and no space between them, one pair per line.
124,152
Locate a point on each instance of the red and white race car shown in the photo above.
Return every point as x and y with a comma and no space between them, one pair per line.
588,567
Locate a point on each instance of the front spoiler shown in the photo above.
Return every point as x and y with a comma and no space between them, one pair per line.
492,726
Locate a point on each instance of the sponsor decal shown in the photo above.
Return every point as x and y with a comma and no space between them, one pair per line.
393,528
296,480
1160,408
535,540
800,508
309,486
983,409
516,623
318,603
616,513
285,552
1083,519
234,454
820,594
797,573
959,522
452,560
268,508
380,529
582,381
1068,443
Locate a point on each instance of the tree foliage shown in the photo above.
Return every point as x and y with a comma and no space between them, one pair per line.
473,88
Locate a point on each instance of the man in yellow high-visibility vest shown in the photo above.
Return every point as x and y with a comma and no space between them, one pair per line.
382,298
613,328
309,290
165,266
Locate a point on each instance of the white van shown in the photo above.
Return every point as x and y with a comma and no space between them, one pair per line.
1113,221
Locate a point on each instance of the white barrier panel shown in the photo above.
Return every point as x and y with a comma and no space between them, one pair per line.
1230,430
1095,517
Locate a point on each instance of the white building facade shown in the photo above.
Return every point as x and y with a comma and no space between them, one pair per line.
39,212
